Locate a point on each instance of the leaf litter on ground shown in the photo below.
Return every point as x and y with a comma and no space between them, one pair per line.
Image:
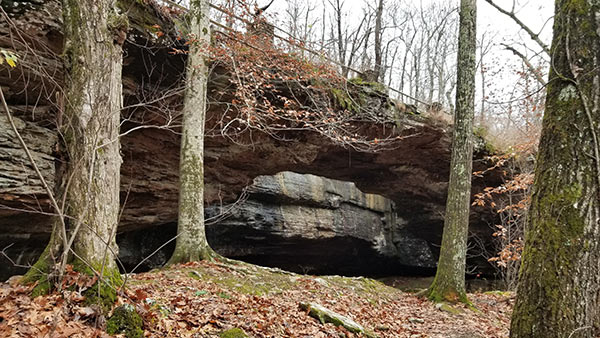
207,298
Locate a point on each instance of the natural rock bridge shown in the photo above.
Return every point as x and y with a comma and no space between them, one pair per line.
413,174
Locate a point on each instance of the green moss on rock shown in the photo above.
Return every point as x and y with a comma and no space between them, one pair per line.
376,86
104,292
344,100
127,321
233,333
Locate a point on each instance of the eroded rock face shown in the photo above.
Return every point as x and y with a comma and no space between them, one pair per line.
302,223
307,223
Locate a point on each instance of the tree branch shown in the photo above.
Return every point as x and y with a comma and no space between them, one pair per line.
526,61
512,15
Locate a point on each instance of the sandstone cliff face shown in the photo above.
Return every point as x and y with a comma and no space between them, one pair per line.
302,223
308,223
413,174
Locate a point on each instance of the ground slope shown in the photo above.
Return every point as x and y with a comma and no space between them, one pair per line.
206,299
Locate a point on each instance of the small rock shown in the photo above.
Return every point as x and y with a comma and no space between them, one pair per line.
321,281
416,320
14,280
324,315
447,308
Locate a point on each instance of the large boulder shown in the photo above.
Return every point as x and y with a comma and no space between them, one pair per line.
307,223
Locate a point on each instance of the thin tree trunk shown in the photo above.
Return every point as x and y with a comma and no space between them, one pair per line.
560,273
483,93
340,38
417,68
449,282
191,244
441,75
391,74
323,22
407,50
88,178
378,43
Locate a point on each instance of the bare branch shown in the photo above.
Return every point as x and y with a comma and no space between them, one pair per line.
527,63
511,14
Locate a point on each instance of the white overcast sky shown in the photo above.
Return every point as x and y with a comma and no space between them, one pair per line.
534,13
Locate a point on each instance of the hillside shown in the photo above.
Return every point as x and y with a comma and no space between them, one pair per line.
208,299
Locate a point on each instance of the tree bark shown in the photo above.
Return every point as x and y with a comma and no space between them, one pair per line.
89,168
449,282
379,70
191,243
560,273
341,43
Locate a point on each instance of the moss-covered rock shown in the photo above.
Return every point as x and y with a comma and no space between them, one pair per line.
369,85
233,333
125,320
104,292
448,308
344,100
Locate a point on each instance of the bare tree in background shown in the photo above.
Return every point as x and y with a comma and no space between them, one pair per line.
378,32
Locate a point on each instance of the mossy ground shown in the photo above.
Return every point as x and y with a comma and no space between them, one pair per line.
213,297
127,321
233,333
104,292
209,298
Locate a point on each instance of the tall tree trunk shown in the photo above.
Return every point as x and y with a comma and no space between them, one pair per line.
378,44
191,244
407,50
341,40
449,282
88,178
560,273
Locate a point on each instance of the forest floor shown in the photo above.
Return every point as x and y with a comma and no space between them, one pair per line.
208,299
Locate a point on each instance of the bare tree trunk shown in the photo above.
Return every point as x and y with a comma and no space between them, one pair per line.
407,50
449,282
482,118
324,27
391,73
484,48
558,287
191,244
378,44
417,72
441,67
88,181
337,8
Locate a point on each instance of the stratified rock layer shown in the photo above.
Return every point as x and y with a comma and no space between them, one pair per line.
307,223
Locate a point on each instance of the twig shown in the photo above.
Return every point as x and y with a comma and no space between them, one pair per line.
513,16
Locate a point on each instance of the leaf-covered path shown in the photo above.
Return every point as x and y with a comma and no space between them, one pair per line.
206,299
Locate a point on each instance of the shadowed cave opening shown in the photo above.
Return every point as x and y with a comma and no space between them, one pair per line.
312,225
300,223
336,256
